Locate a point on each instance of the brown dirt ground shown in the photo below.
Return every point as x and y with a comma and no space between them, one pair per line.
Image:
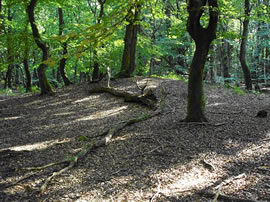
160,159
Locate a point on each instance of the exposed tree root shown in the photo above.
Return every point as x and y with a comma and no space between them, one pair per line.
148,99
104,138
17,182
72,161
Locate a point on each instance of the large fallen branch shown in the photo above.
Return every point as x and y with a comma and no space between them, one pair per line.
105,138
108,136
148,99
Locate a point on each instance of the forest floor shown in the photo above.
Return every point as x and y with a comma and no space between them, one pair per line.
159,159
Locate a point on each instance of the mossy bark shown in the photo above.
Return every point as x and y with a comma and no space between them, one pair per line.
25,62
203,38
243,48
43,81
196,100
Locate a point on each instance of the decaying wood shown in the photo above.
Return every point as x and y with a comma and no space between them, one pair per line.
110,133
148,99
72,161
104,139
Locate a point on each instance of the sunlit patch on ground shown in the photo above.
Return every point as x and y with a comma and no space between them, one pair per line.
38,146
216,104
103,114
11,118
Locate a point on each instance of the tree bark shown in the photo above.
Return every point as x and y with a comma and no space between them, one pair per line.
96,72
25,62
243,48
64,45
202,37
225,59
148,99
43,81
129,54
8,83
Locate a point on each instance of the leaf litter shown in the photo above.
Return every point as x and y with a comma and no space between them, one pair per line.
160,159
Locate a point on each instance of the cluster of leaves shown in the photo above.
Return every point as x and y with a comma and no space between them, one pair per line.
162,38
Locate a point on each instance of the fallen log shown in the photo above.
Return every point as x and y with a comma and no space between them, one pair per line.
148,99
94,144
106,137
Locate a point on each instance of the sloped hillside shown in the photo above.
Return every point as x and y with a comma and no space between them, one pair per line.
159,159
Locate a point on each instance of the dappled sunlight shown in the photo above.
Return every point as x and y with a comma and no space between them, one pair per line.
57,103
125,137
213,96
83,100
103,114
11,118
183,178
254,151
216,104
64,113
39,145
35,102
3,100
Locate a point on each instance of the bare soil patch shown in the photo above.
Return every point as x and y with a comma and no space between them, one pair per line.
160,159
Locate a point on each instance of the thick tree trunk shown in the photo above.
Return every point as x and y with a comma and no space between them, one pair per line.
243,50
129,54
196,100
202,37
63,60
43,81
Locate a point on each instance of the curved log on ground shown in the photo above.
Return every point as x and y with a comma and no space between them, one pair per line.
148,99
70,162
95,142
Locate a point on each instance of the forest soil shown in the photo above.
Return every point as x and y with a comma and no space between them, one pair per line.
160,159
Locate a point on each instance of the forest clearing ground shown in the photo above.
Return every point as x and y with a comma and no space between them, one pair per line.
160,159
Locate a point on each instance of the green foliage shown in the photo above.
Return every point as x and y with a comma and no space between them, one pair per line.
238,90
162,37
35,89
7,91
172,76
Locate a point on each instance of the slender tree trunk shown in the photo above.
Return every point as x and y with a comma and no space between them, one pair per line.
63,60
25,61
28,75
243,48
129,54
96,72
202,37
43,81
8,80
75,72
225,57
17,79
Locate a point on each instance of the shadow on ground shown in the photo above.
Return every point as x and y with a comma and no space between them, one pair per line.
160,159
